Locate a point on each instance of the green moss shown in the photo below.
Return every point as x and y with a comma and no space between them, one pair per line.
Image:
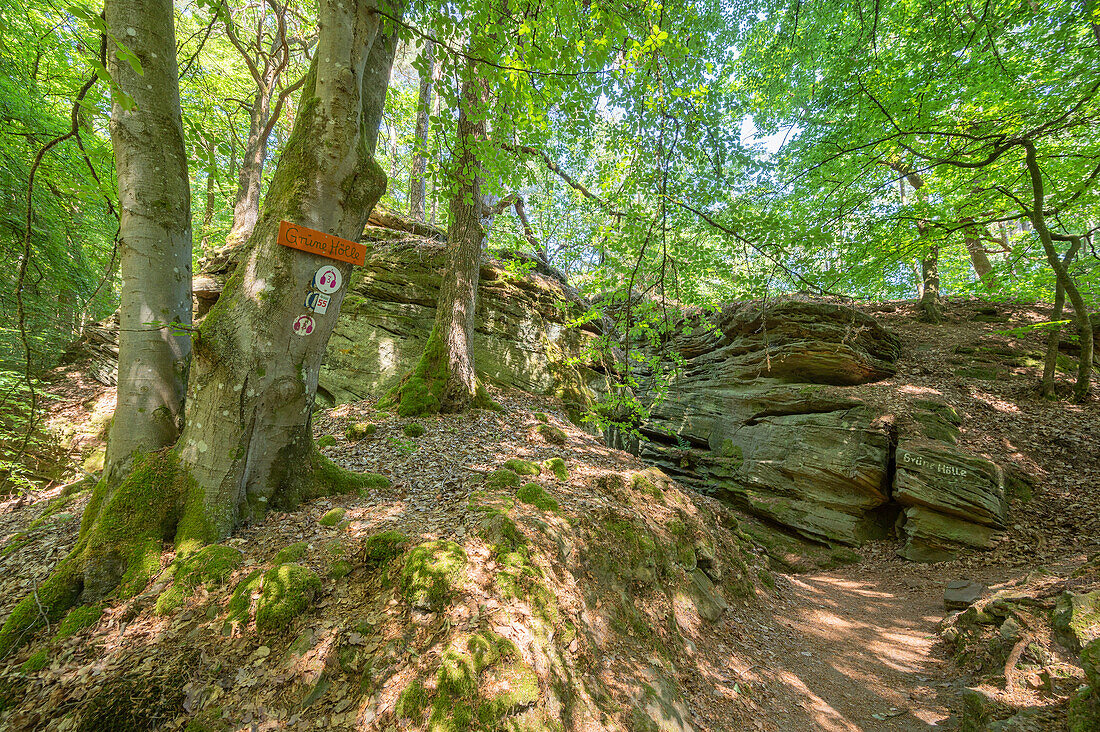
359,430
240,604
287,591
413,429
534,494
326,441
522,467
1084,710
57,594
844,555
488,648
37,661
380,548
502,478
542,417
421,392
211,565
413,701
291,553
556,466
643,483
433,571
986,373
331,479
551,434
77,620
333,517
518,688
340,568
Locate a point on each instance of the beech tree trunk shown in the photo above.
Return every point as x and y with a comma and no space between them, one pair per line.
445,379
247,444
248,441
154,235
420,155
978,258
246,207
1036,215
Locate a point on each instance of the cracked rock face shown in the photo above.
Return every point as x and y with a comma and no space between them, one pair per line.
760,415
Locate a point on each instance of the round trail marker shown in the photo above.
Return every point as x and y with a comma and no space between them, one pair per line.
304,325
328,279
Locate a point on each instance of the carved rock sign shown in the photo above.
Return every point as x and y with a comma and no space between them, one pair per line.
309,240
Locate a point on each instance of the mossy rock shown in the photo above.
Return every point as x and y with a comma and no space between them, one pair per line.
522,467
291,553
340,568
211,565
287,591
556,466
552,434
37,661
502,478
331,479
488,648
413,429
432,574
648,482
382,547
535,495
984,373
333,517
1084,710
518,688
326,441
1076,618
77,620
542,417
240,603
359,430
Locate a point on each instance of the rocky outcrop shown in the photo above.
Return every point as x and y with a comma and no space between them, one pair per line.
522,338
761,413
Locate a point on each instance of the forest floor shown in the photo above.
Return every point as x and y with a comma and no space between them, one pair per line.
849,648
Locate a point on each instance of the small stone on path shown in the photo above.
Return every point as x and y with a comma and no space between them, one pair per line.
961,594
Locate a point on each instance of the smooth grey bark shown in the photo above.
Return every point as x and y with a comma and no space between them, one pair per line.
247,443
979,260
267,68
419,166
1036,214
1054,336
154,234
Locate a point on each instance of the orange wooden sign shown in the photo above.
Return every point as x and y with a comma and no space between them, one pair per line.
304,239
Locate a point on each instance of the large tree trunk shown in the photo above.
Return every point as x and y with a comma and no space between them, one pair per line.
930,286
154,235
420,154
444,379
246,208
247,444
248,441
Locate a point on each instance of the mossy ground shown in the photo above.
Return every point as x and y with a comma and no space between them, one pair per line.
556,467
210,566
522,467
553,435
432,573
333,517
534,494
287,591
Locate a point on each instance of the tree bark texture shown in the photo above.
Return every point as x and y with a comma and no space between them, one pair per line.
248,442
246,207
154,234
978,258
1036,215
420,155
445,379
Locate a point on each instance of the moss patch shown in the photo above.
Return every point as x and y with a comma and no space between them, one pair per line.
413,429
333,517
287,591
522,467
340,568
542,417
211,565
37,661
77,620
556,466
359,430
551,434
432,573
326,441
380,548
240,604
502,478
533,494
421,392
331,479
291,553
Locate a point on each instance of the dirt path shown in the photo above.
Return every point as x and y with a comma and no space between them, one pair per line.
855,649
